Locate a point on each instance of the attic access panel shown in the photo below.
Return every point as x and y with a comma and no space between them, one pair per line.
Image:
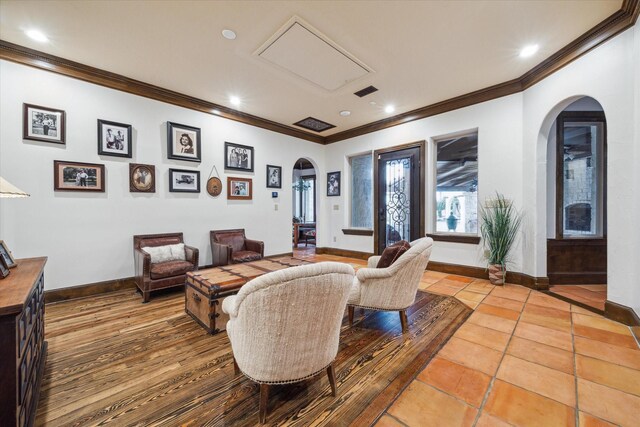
304,51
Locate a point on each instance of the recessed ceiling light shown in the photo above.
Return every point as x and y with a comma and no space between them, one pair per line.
389,109
345,113
37,36
234,100
528,51
229,34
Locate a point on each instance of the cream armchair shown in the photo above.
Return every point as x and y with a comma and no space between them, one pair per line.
393,288
284,326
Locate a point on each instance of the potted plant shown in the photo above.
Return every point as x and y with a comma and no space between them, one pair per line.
499,226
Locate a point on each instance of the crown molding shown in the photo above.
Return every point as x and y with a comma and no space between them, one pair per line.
621,20
26,56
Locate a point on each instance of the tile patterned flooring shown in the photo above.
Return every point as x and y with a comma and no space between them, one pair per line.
592,295
522,358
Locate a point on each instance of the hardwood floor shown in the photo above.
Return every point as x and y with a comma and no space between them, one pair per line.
115,361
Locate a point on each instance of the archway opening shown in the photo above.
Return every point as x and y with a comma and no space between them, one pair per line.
576,204
304,207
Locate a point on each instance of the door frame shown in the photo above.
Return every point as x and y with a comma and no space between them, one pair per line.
376,202
561,250
578,116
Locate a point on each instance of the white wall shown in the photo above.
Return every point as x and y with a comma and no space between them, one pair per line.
88,237
499,124
513,133
607,74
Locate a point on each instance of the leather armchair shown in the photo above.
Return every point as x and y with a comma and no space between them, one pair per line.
232,247
393,288
150,277
284,326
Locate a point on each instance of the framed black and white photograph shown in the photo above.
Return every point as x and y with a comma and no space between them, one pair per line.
114,139
333,184
142,178
238,157
4,270
75,176
5,254
184,181
43,124
239,188
183,142
274,176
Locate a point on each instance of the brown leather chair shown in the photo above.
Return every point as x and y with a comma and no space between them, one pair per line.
232,247
169,274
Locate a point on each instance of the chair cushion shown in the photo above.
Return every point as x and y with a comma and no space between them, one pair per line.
235,240
392,253
245,256
170,269
311,233
165,253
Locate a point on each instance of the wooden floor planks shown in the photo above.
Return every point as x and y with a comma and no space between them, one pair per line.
115,361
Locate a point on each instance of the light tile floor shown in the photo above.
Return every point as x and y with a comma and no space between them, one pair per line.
522,358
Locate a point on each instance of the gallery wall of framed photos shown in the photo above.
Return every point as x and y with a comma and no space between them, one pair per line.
87,234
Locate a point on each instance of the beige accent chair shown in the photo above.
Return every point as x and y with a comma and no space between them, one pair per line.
393,288
284,327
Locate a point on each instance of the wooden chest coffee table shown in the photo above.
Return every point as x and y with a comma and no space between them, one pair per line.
206,289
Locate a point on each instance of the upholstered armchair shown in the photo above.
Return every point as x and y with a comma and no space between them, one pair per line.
393,288
232,246
151,276
284,326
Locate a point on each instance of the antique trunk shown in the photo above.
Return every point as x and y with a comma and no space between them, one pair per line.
206,289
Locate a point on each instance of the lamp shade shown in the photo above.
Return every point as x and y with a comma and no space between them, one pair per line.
9,190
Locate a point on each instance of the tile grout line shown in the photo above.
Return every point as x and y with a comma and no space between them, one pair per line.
493,379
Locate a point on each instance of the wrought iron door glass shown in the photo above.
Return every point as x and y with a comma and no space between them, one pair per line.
398,200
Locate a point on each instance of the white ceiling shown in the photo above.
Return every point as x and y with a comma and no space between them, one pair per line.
421,52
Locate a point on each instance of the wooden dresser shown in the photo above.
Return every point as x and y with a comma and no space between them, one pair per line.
23,350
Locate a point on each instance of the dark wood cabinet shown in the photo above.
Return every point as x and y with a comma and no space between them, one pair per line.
23,350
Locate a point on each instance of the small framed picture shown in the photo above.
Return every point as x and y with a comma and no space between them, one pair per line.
114,139
5,254
142,178
333,184
74,176
4,270
183,142
274,176
238,157
184,181
43,124
239,188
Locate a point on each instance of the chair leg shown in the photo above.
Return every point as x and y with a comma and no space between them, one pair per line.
351,310
264,398
236,369
403,321
331,372
146,296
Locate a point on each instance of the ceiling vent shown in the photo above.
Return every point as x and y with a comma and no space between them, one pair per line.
307,53
366,91
314,124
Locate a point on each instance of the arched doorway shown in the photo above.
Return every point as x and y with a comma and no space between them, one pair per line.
304,207
576,204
